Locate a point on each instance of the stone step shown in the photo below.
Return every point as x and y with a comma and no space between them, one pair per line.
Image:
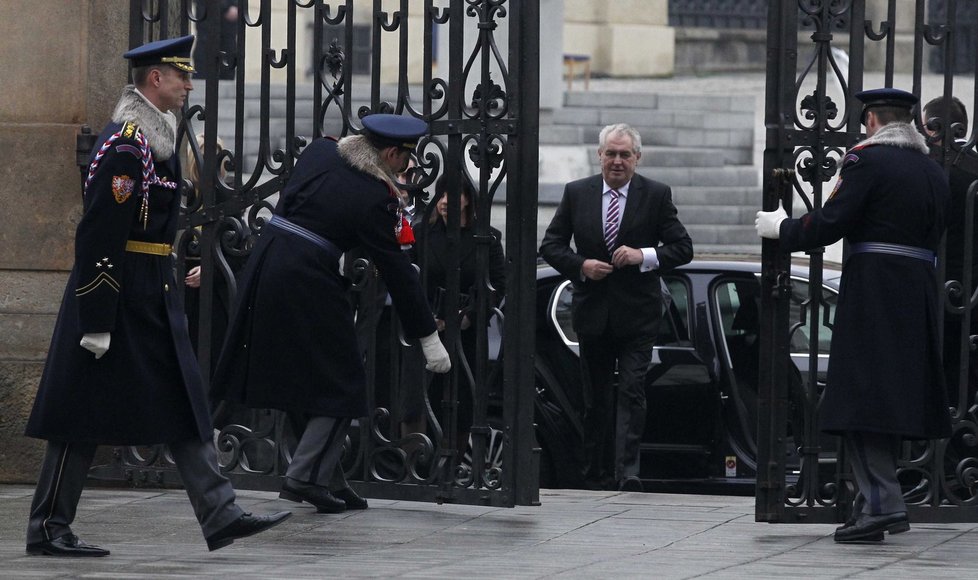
720,250
549,194
680,118
713,215
717,196
739,138
733,176
721,234
613,100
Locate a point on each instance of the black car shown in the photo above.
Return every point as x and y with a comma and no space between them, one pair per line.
701,387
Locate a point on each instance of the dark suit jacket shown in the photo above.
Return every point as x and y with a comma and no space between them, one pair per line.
627,302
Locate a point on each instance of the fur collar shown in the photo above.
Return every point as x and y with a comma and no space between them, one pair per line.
902,135
159,128
361,154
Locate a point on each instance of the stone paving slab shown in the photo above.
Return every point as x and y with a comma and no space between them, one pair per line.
573,534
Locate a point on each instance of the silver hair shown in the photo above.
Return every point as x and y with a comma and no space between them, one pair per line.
622,129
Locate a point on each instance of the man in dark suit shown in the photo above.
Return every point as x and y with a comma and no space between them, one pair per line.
626,230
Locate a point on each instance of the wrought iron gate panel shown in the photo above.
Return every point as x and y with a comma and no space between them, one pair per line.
483,118
817,55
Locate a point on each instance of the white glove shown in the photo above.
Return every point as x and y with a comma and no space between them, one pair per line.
435,354
97,343
768,223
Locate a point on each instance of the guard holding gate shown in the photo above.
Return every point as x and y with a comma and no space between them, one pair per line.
292,344
885,381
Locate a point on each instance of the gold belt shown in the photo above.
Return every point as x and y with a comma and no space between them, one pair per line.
149,248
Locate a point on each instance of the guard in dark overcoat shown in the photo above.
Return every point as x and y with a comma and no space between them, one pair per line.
885,380
292,344
120,370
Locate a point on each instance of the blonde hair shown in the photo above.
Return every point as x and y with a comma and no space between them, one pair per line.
193,172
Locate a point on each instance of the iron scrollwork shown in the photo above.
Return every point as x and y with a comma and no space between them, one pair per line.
816,128
468,102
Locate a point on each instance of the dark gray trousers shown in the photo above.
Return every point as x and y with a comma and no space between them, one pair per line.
317,456
873,457
614,421
66,465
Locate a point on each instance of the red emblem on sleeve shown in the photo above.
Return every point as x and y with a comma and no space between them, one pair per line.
122,186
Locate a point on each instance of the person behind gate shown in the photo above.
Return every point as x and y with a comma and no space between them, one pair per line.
885,381
121,370
939,113
626,230
292,344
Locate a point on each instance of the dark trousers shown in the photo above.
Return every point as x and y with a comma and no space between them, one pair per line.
317,456
66,465
873,457
614,420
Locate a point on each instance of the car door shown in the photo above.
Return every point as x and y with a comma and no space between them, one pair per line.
735,301
682,428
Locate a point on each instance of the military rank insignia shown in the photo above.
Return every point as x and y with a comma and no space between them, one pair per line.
122,186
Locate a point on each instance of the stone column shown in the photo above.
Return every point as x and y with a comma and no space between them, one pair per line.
62,68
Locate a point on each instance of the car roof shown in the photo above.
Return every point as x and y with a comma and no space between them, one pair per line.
744,263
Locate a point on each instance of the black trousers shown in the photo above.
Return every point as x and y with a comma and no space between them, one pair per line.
66,465
614,419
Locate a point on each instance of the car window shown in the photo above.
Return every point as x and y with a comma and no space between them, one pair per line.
801,337
675,319
561,313
738,302
675,316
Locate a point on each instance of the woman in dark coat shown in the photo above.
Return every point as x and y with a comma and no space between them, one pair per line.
431,252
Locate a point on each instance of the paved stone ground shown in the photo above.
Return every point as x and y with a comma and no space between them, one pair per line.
573,534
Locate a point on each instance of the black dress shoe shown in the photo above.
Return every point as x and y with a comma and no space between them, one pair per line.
869,528
351,498
317,495
243,527
67,545
631,483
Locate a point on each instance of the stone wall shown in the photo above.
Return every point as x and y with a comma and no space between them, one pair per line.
624,38
61,68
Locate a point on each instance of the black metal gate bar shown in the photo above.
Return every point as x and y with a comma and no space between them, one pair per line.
806,136
494,129
521,212
772,372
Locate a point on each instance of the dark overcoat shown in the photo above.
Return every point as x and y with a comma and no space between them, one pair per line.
147,388
431,253
292,344
885,373
627,302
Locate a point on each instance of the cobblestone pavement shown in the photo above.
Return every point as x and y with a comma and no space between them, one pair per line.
573,534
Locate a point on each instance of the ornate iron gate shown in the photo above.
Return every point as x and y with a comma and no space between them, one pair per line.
818,55
481,103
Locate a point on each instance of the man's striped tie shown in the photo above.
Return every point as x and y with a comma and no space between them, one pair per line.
611,221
